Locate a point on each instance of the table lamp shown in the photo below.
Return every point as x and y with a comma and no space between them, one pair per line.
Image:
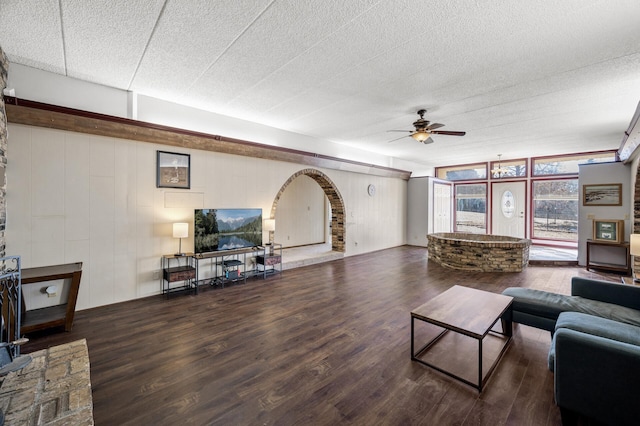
270,226
634,240
180,230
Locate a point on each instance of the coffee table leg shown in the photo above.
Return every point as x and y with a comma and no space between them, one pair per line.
412,353
507,327
480,365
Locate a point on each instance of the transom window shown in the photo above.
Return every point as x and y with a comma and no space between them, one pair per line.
508,169
568,164
464,172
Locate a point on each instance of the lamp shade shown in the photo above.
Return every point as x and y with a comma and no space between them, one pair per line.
180,230
269,224
634,240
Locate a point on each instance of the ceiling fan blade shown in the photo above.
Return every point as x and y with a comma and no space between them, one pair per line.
428,141
406,131
448,132
397,139
434,126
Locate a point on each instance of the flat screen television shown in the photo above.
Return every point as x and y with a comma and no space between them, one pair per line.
226,229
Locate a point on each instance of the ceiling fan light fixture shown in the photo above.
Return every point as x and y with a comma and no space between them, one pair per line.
424,129
420,135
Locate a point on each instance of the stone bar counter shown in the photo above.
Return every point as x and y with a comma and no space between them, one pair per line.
479,252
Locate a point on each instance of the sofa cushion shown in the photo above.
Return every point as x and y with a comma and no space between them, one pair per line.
606,310
550,305
595,326
538,302
606,291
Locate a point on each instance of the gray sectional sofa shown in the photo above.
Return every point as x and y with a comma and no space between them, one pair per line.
595,347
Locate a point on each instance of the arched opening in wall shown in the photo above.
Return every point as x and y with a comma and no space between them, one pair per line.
307,210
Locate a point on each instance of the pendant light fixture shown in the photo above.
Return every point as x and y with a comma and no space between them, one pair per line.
499,171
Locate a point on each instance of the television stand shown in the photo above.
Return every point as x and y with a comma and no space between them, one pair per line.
226,266
230,266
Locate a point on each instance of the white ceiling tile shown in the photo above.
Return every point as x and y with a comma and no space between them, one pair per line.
30,34
104,40
522,78
190,37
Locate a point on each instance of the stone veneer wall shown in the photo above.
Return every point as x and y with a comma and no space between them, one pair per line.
636,218
478,252
4,68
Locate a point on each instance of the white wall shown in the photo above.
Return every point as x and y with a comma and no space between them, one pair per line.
76,197
601,174
419,207
42,86
422,210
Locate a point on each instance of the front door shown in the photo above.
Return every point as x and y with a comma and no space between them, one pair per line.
508,206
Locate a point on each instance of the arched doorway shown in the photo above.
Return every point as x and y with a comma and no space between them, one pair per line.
335,200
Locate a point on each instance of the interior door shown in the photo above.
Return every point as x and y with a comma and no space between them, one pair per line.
442,207
508,206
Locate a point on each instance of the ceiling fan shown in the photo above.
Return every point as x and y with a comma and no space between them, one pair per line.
424,130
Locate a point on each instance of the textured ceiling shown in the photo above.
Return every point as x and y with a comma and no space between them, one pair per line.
524,78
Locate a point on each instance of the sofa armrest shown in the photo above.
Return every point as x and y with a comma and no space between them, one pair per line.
605,291
597,377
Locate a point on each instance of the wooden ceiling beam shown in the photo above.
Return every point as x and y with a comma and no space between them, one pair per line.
20,111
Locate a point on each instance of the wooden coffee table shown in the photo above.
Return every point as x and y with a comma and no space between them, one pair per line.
467,311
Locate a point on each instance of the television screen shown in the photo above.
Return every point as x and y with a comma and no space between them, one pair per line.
227,229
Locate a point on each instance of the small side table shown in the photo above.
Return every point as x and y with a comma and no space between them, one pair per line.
57,315
186,274
271,260
607,256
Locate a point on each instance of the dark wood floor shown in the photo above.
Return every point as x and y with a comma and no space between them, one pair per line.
325,344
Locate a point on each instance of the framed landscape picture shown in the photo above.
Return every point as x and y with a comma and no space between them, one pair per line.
608,230
608,194
173,170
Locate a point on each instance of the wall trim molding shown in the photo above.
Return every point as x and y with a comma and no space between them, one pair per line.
21,111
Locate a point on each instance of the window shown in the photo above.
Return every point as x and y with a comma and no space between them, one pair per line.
555,209
508,169
552,200
568,164
464,172
471,208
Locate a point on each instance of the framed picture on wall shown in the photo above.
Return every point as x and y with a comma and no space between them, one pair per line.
173,170
608,230
608,194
